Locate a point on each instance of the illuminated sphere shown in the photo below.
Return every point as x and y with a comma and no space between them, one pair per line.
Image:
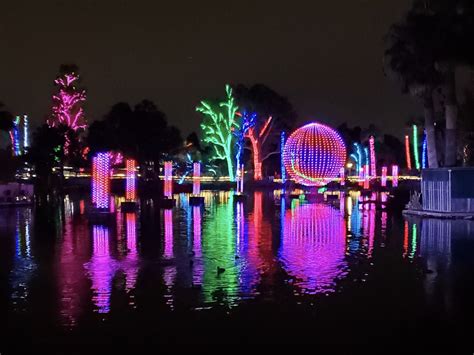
314,154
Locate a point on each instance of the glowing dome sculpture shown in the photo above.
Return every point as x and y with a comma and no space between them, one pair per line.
314,154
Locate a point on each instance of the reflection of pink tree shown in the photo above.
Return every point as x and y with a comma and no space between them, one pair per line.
67,102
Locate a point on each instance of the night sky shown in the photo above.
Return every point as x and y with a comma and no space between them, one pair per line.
325,56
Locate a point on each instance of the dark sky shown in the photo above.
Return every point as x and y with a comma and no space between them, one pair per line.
325,56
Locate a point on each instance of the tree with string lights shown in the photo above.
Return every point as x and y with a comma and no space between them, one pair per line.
67,102
218,125
273,114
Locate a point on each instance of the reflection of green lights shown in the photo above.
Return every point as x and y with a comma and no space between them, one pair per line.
294,203
322,190
219,250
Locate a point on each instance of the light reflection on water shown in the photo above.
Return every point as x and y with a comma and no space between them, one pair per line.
313,246
221,254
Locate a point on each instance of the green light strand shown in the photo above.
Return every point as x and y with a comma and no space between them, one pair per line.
415,147
218,123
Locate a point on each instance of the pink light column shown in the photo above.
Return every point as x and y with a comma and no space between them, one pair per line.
101,181
394,175
383,180
168,185
131,180
373,167
366,177
196,179
343,176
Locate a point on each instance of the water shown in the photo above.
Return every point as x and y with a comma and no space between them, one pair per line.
265,270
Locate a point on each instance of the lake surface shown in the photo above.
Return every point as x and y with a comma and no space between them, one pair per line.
264,270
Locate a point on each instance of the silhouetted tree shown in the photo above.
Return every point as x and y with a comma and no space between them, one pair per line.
142,133
452,48
6,119
425,49
274,114
46,153
410,59
466,123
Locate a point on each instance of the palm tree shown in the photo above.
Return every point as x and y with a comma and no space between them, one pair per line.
409,59
453,31
6,119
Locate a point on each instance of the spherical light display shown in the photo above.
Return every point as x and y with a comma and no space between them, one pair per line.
314,154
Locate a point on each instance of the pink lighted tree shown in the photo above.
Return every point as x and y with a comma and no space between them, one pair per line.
67,102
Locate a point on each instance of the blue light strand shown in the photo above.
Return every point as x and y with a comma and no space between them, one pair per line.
248,121
282,164
424,149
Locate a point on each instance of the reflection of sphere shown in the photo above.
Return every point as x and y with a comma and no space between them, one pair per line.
314,154
313,247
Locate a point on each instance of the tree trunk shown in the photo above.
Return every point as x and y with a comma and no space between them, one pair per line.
257,154
428,107
230,164
451,109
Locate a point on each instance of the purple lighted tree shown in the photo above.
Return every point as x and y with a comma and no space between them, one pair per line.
67,102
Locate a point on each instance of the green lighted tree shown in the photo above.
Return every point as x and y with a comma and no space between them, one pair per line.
217,126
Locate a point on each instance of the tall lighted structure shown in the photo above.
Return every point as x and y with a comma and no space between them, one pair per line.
26,133
282,163
19,135
373,166
131,180
196,178
359,158
383,180
424,152
367,162
407,152
168,183
366,177
16,137
101,181
415,147
394,175
314,154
